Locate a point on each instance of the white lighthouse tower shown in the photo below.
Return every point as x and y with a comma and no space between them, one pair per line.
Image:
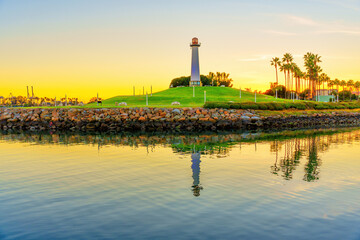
195,67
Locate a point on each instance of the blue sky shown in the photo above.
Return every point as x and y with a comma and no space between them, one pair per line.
125,43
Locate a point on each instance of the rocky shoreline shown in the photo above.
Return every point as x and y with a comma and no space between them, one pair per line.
163,119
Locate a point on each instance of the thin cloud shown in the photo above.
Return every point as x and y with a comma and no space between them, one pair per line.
255,59
317,27
302,20
349,4
280,33
349,32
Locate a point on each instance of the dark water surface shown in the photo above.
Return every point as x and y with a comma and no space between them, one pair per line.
292,185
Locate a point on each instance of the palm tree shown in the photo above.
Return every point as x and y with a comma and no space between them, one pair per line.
350,84
287,60
343,84
328,81
331,84
311,63
276,62
357,86
321,81
297,74
282,69
337,82
323,78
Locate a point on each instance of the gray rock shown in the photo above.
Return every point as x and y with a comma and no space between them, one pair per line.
176,111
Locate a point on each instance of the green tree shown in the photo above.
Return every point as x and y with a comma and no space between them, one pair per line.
211,77
180,81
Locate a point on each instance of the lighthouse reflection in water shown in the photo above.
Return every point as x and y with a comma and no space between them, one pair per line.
195,166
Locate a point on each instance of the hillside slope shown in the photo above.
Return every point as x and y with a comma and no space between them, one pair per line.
184,95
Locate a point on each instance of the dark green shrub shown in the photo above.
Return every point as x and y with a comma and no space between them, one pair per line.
270,106
282,106
279,106
262,106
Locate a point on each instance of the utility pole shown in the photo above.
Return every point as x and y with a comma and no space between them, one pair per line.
32,91
193,91
204,96
240,92
97,99
255,96
276,93
27,88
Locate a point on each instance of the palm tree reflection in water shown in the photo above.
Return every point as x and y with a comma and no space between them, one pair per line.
311,167
294,150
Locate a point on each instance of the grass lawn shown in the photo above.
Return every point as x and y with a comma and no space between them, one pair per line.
184,95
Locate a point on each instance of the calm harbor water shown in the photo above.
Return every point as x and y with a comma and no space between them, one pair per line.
292,185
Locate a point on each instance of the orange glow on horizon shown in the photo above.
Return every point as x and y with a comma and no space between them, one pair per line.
89,52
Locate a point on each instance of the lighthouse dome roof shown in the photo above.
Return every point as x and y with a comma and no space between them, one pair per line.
195,40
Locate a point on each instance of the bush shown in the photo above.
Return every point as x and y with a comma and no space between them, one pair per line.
282,106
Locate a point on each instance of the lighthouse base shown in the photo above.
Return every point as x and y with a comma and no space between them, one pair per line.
195,84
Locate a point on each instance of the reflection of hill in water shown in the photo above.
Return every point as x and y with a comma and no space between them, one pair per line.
288,147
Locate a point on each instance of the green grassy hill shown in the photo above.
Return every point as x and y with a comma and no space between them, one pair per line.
184,95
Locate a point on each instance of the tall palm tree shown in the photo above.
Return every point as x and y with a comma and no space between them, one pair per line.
331,84
343,84
320,81
313,70
297,74
337,82
282,69
357,86
287,60
328,80
323,78
350,84
276,63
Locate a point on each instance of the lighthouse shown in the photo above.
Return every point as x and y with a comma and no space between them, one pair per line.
195,67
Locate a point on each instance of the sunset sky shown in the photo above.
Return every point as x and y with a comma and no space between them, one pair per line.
82,47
